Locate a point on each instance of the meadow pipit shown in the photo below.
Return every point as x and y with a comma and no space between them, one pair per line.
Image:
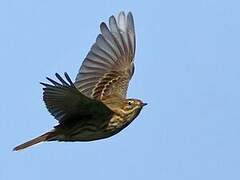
95,105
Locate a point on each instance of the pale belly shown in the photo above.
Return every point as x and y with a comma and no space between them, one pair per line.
92,132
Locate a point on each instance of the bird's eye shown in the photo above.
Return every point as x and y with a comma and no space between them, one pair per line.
129,103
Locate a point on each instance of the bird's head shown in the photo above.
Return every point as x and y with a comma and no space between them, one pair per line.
132,107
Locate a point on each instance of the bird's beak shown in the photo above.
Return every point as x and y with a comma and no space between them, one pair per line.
144,104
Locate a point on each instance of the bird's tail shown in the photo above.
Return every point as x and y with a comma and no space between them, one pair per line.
45,137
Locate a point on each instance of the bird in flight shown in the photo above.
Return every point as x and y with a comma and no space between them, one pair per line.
95,105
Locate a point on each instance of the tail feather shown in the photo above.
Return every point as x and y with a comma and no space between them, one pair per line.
45,137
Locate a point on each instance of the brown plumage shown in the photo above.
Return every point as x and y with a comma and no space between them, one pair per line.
95,105
36,140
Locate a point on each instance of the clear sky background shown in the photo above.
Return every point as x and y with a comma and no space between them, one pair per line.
187,70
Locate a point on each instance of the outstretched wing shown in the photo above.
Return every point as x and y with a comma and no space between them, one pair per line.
108,67
64,101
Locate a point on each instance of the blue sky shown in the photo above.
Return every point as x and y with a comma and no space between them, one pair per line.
187,69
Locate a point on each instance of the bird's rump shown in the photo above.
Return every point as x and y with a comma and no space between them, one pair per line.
108,67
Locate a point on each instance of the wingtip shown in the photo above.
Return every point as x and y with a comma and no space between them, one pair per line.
57,75
103,25
130,13
68,78
112,18
44,84
121,13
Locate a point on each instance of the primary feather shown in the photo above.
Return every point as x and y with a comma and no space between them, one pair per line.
108,67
